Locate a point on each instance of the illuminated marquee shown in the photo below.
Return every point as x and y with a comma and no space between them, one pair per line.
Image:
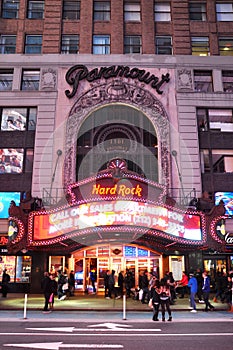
121,190
50,225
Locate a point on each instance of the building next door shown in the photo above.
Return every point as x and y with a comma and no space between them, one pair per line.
101,259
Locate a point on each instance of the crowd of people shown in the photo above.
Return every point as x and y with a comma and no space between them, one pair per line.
159,294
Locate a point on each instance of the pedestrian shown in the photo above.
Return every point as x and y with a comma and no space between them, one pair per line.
171,282
53,290
198,275
219,284
121,283
165,295
182,285
93,279
206,291
61,295
129,283
111,286
5,283
145,287
155,298
71,283
192,284
106,276
46,287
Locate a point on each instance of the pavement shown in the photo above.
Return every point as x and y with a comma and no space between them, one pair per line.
93,307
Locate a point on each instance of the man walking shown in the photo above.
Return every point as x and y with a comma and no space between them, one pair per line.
192,284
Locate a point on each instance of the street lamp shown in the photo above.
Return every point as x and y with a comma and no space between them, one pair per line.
59,153
174,154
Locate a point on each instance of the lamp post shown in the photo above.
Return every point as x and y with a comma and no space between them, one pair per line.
174,154
59,153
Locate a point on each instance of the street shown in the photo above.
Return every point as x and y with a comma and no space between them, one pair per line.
145,334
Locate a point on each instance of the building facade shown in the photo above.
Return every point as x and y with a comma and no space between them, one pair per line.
83,83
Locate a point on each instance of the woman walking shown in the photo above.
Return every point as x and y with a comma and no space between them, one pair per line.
165,295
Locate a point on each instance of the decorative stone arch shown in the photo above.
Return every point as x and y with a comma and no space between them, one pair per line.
117,91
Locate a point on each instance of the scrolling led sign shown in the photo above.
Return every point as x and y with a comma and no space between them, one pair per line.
80,72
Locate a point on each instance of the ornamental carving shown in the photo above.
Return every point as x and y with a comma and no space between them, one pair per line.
48,79
184,79
117,91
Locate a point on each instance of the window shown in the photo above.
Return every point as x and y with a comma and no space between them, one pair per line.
29,161
224,12
200,46
70,44
163,45
6,79
222,161
215,119
101,44
132,12
132,44
18,118
102,10
7,44
35,9
10,8
30,80
71,9
227,81
203,81
33,44
225,46
162,12
197,11
11,160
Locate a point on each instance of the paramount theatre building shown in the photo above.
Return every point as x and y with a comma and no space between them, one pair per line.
117,164
116,129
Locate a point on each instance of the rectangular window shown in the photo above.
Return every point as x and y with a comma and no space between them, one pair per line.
203,81
7,44
225,46
71,9
101,44
162,12
33,44
200,46
21,119
197,11
35,9
132,12
163,45
224,12
70,44
6,79
132,44
215,119
12,160
30,80
102,10
10,8
222,161
227,81
29,160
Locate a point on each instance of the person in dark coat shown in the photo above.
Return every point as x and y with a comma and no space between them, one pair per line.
121,283
145,286
106,277
46,287
71,283
5,282
154,295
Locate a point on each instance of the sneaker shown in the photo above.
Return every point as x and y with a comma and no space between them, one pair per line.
193,311
190,308
118,297
107,298
201,302
63,297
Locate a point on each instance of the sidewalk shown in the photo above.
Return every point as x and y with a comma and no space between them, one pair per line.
92,302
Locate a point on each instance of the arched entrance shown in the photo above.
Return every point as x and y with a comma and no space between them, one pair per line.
128,130
118,257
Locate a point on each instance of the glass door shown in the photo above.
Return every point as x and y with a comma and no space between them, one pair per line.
103,266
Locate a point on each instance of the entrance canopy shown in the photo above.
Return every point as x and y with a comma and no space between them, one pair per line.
115,206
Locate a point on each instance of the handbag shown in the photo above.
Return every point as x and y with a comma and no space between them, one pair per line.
150,304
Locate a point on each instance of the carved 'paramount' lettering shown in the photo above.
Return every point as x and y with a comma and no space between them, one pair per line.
80,72
120,190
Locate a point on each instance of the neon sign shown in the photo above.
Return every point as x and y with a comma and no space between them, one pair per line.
121,190
49,225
